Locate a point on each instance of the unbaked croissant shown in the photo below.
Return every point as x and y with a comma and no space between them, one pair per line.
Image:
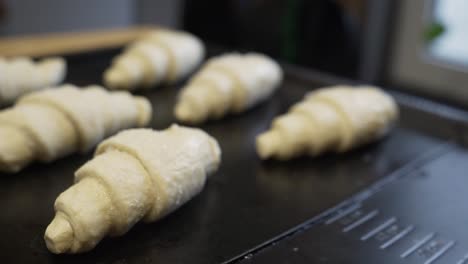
21,75
162,56
139,174
228,83
50,124
330,119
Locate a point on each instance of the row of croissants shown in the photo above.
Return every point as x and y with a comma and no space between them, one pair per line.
142,174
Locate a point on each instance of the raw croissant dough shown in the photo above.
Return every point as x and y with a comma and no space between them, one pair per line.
21,75
50,124
228,83
137,174
161,56
330,119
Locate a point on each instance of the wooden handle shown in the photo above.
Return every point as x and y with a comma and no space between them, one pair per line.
67,43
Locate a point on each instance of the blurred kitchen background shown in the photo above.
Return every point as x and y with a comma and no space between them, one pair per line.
418,45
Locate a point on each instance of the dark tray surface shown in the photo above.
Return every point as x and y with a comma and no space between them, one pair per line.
245,204
427,204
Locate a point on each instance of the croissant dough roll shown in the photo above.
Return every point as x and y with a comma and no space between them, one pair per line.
54,123
330,119
228,83
184,50
160,56
139,174
21,75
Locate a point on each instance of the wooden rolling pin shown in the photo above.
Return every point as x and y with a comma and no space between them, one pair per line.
68,43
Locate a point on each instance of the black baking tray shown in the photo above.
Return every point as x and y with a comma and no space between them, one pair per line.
245,205
419,218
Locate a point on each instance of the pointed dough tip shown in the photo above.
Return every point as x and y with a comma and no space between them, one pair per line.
268,144
145,111
114,80
16,152
214,165
185,113
59,235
